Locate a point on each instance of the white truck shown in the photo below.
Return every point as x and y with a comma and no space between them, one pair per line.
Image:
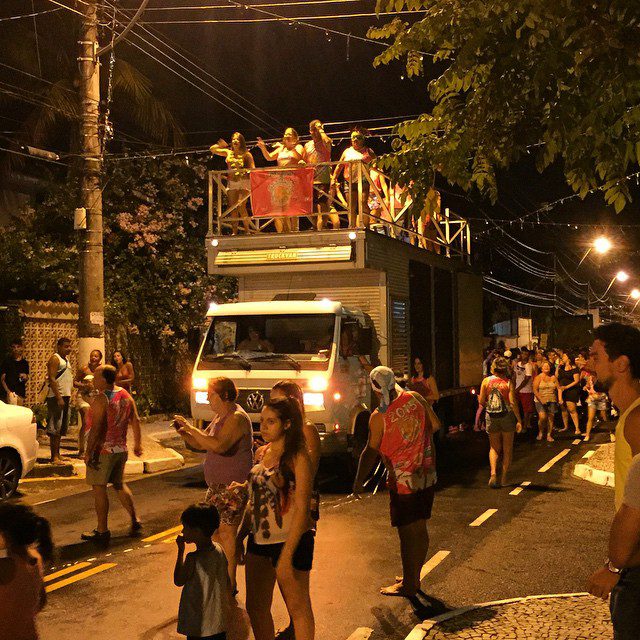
319,344
318,307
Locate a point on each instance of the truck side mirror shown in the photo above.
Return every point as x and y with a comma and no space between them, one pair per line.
194,339
365,341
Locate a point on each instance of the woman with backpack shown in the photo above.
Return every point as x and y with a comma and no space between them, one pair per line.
502,416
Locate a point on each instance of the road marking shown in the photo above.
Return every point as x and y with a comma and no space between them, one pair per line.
577,441
170,540
417,633
79,576
433,562
51,478
551,462
361,633
162,534
589,454
518,490
483,518
66,570
44,502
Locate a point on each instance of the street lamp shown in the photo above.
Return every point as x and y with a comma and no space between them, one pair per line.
621,276
635,294
600,245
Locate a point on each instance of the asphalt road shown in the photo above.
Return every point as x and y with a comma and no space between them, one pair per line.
546,539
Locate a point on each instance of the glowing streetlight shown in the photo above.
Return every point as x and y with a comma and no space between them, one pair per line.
635,294
621,276
602,245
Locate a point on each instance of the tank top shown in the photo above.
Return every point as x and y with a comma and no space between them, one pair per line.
406,446
271,501
288,157
236,164
119,414
235,464
420,385
622,454
547,390
64,381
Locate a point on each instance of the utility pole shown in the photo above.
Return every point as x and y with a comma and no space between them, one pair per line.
91,289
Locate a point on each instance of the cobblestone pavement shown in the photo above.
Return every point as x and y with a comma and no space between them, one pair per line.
568,618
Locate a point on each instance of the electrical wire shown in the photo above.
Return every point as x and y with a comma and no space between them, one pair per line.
266,4
28,155
35,14
526,304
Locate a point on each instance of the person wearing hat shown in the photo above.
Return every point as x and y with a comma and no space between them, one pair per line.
401,432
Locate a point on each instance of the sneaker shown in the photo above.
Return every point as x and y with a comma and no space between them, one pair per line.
96,536
135,529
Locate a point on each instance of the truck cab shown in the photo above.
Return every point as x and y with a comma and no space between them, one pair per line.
321,345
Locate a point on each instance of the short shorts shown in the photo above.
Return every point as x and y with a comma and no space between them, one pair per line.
302,556
407,508
110,469
57,416
547,407
320,193
229,500
526,401
500,423
239,185
598,401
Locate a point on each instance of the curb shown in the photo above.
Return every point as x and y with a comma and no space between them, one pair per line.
420,631
596,476
173,460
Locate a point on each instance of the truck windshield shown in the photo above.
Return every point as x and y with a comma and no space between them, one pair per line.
279,341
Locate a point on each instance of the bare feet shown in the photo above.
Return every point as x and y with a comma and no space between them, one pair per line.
398,589
539,437
550,439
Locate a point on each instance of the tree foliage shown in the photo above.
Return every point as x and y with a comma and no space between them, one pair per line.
155,223
556,78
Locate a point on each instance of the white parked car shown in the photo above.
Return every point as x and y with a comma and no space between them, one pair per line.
18,446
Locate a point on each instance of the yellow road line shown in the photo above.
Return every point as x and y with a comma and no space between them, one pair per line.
433,562
171,539
483,518
51,478
66,570
162,534
79,576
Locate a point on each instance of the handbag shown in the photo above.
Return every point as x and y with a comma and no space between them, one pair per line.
44,389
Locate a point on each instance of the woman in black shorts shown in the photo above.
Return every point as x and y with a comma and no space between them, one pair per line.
569,391
281,539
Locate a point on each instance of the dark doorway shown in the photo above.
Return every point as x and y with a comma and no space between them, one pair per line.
420,306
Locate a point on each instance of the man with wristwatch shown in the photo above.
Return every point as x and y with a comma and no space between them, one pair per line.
615,357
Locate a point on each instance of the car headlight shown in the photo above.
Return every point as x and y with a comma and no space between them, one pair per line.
199,384
313,400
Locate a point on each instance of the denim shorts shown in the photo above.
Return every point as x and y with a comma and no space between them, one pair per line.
547,407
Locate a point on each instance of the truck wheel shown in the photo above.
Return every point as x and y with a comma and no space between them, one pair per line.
9,474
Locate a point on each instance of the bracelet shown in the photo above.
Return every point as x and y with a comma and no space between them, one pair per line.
611,568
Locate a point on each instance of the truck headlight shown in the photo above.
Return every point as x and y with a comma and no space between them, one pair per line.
319,383
199,384
314,400
202,397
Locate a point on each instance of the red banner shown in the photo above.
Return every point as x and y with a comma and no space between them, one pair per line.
285,192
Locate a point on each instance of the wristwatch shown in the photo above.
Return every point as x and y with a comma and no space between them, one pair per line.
610,567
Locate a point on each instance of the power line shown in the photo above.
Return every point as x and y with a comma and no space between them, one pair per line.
294,19
29,15
266,4
28,155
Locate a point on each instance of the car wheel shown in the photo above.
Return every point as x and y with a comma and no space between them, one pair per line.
9,474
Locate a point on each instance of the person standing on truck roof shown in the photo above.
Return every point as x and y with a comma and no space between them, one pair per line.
502,416
288,389
401,432
318,152
228,442
288,153
238,160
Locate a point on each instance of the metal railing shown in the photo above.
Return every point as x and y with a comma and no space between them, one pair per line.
443,233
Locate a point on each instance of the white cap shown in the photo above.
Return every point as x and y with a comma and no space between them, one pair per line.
385,382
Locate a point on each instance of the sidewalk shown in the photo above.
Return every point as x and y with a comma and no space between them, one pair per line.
159,443
597,467
576,616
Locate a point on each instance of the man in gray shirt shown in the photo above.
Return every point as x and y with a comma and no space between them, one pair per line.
624,561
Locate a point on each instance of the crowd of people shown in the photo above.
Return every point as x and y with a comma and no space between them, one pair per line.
522,386
261,505
330,200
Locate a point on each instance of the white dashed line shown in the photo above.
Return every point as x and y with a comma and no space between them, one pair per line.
551,462
361,633
577,441
518,490
433,562
417,633
589,454
483,518
37,504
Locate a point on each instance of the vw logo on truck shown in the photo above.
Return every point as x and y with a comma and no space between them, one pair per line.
255,401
